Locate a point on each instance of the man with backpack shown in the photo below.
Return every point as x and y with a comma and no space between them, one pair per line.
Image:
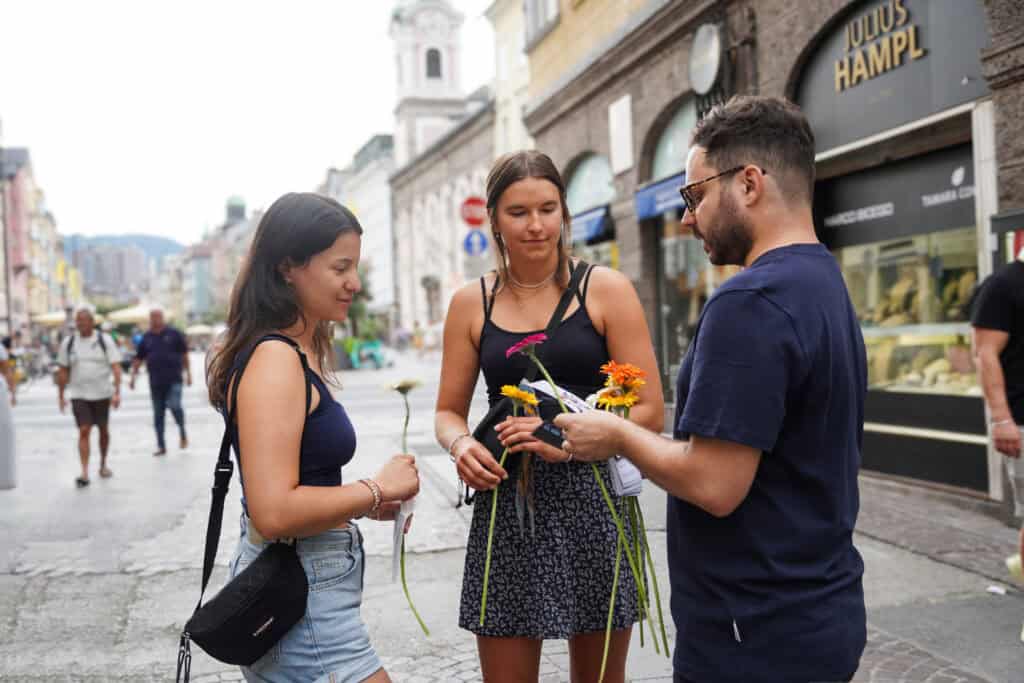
89,367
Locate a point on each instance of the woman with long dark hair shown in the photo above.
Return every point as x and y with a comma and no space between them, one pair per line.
550,577
300,276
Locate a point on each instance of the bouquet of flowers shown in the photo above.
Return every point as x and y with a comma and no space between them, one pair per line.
619,393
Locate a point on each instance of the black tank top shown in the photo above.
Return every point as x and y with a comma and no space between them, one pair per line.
573,353
328,437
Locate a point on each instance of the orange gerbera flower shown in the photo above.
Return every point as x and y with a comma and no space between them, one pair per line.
626,376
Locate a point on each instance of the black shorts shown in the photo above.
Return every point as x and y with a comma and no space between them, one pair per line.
90,412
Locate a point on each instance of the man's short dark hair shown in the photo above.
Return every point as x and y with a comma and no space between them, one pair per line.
765,131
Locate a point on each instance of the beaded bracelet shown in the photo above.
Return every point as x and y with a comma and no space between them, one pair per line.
378,497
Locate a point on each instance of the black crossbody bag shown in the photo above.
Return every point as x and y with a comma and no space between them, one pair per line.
484,431
256,608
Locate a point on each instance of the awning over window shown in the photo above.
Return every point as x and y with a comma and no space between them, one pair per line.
593,226
659,197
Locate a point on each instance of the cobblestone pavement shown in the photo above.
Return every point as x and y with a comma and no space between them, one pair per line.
941,526
95,584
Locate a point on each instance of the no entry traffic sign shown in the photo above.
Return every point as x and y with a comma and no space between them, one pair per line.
474,211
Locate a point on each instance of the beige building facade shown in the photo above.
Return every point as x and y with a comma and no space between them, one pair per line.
511,76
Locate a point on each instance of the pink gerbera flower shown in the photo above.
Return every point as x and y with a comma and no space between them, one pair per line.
526,345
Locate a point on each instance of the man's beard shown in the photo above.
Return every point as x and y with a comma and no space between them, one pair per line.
730,240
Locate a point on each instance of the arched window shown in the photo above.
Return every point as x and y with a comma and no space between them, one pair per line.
433,63
674,143
591,184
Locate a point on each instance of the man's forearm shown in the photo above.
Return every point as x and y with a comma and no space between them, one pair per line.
117,377
184,363
662,460
993,385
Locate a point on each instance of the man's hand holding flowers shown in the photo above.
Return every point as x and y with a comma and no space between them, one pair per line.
516,434
593,436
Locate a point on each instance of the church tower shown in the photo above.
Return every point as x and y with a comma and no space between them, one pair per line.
427,52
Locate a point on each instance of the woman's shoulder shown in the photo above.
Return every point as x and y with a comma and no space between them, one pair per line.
602,280
271,353
469,296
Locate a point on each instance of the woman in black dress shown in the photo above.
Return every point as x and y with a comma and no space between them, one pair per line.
550,578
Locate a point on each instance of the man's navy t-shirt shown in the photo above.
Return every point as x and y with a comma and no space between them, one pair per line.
163,353
773,592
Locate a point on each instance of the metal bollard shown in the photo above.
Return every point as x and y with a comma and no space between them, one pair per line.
7,464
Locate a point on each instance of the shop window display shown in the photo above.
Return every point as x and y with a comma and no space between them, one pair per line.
600,254
688,281
911,296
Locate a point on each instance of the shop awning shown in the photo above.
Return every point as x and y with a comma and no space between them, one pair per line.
592,226
659,197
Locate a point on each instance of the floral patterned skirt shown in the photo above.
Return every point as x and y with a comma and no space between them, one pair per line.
550,579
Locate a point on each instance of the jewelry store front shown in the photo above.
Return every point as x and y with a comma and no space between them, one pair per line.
904,124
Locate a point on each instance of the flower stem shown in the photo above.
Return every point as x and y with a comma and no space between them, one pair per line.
611,608
600,483
554,387
633,526
490,531
622,532
405,587
405,427
490,541
654,579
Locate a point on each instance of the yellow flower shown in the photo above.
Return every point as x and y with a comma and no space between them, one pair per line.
523,398
612,398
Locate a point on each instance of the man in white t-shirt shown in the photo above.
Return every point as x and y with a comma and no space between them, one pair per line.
90,368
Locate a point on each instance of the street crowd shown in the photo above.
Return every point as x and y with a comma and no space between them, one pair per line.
760,471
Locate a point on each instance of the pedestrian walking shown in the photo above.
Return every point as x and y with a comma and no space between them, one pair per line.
998,326
90,372
8,477
549,578
165,352
292,439
762,471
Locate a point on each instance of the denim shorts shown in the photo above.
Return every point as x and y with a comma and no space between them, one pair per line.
330,644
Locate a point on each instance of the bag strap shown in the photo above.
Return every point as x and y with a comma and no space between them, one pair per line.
563,304
225,468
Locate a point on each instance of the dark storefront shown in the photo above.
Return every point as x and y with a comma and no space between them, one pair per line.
895,95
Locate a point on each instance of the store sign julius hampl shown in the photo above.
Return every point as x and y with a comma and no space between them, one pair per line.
877,41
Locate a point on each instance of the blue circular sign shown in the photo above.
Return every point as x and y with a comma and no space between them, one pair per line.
475,243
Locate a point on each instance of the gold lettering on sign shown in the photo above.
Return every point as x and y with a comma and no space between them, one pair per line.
876,42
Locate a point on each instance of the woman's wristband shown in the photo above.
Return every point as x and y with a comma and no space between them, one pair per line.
999,423
378,497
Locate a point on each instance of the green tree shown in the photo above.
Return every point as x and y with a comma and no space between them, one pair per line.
362,323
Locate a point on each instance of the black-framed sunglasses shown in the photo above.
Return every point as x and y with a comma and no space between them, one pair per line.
686,191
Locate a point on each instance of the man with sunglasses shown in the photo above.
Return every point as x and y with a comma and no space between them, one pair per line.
762,472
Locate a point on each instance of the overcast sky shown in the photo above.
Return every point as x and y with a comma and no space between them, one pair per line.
145,116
